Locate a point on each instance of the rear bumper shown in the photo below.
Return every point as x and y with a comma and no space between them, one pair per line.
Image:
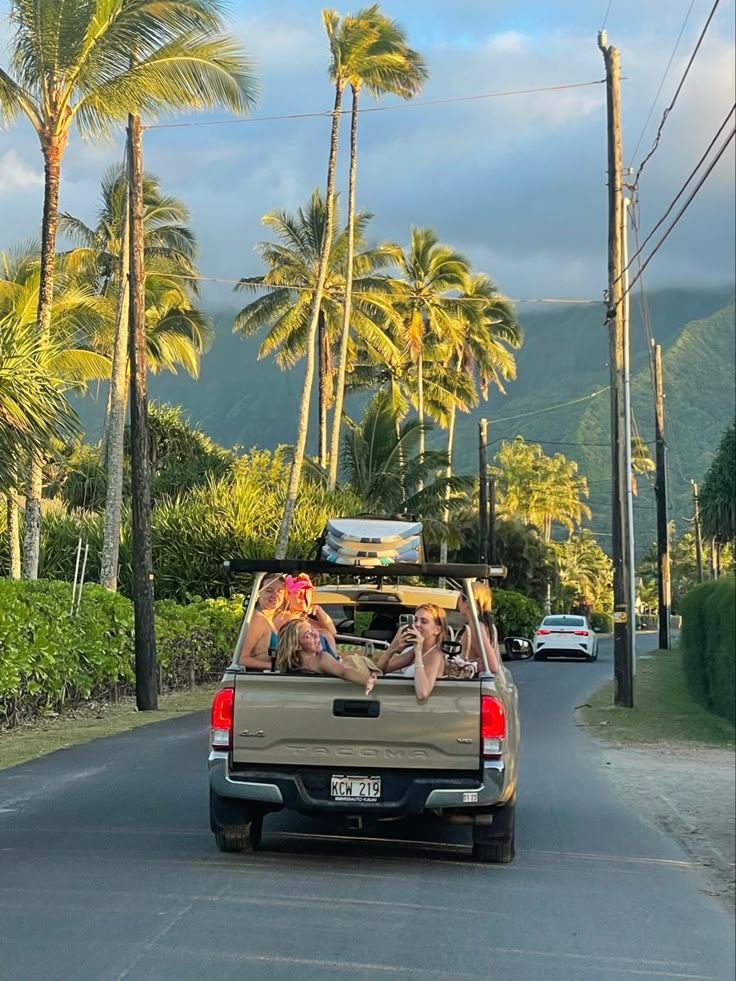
305,790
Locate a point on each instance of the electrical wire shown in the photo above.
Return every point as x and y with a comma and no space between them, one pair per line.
605,16
549,408
682,190
327,113
661,84
681,212
671,106
304,288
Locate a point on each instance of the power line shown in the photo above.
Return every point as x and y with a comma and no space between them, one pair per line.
328,113
305,288
664,77
670,107
682,190
605,16
549,408
681,212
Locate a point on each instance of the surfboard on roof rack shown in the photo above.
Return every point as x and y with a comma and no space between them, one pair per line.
373,531
372,542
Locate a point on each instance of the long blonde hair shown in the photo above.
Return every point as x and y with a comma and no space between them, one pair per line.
483,598
288,648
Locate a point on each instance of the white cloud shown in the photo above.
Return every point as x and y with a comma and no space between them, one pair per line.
15,174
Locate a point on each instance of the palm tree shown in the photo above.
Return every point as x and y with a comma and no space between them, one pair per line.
291,280
385,469
482,357
584,568
379,59
177,333
331,21
93,63
539,489
35,375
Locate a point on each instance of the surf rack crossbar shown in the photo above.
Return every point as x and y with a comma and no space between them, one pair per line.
403,570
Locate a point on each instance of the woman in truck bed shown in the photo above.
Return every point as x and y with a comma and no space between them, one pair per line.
416,651
261,634
488,633
300,649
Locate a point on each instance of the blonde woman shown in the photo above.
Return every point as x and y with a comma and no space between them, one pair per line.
300,649
416,650
261,635
488,635
298,594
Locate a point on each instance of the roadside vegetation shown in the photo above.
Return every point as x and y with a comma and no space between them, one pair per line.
665,711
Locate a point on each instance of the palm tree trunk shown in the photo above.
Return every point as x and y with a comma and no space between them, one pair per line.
303,419
347,309
420,408
13,533
323,389
52,153
115,427
448,474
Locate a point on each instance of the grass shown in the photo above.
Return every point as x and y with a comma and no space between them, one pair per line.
92,722
663,710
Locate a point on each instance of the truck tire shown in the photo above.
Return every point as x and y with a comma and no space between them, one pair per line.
236,824
243,838
496,843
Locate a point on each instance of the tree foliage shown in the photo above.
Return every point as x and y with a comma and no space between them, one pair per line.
540,489
718,493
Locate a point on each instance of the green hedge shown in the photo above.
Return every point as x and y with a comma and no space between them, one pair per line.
601,622
50,659
516,615
708,644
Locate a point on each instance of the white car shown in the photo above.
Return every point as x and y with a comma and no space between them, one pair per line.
565,635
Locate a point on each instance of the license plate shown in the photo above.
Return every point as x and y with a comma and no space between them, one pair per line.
355,788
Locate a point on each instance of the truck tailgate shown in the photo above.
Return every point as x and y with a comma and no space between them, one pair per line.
286,719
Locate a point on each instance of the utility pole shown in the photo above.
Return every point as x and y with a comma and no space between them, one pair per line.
698,533
146,668
630,549
664,587
483,491
492,520
622,653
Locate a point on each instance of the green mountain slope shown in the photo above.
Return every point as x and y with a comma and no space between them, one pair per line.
240,400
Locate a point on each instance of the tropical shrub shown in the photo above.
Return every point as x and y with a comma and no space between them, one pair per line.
708,645
50,658
516,615
237,515
601,622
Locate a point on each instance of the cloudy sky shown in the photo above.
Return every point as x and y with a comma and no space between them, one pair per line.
515,182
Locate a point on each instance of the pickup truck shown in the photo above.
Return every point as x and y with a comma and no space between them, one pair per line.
319,745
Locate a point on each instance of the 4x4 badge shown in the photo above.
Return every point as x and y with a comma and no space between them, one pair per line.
258,734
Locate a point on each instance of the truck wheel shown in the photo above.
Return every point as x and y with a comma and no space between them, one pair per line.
243,838
496,844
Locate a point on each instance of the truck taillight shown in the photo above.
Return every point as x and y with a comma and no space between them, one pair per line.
492,726
222,719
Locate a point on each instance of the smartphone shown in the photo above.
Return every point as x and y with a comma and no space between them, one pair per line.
406,620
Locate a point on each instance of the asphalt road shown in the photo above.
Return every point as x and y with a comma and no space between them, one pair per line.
108,871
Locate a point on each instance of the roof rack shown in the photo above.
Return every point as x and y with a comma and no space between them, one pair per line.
402,570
